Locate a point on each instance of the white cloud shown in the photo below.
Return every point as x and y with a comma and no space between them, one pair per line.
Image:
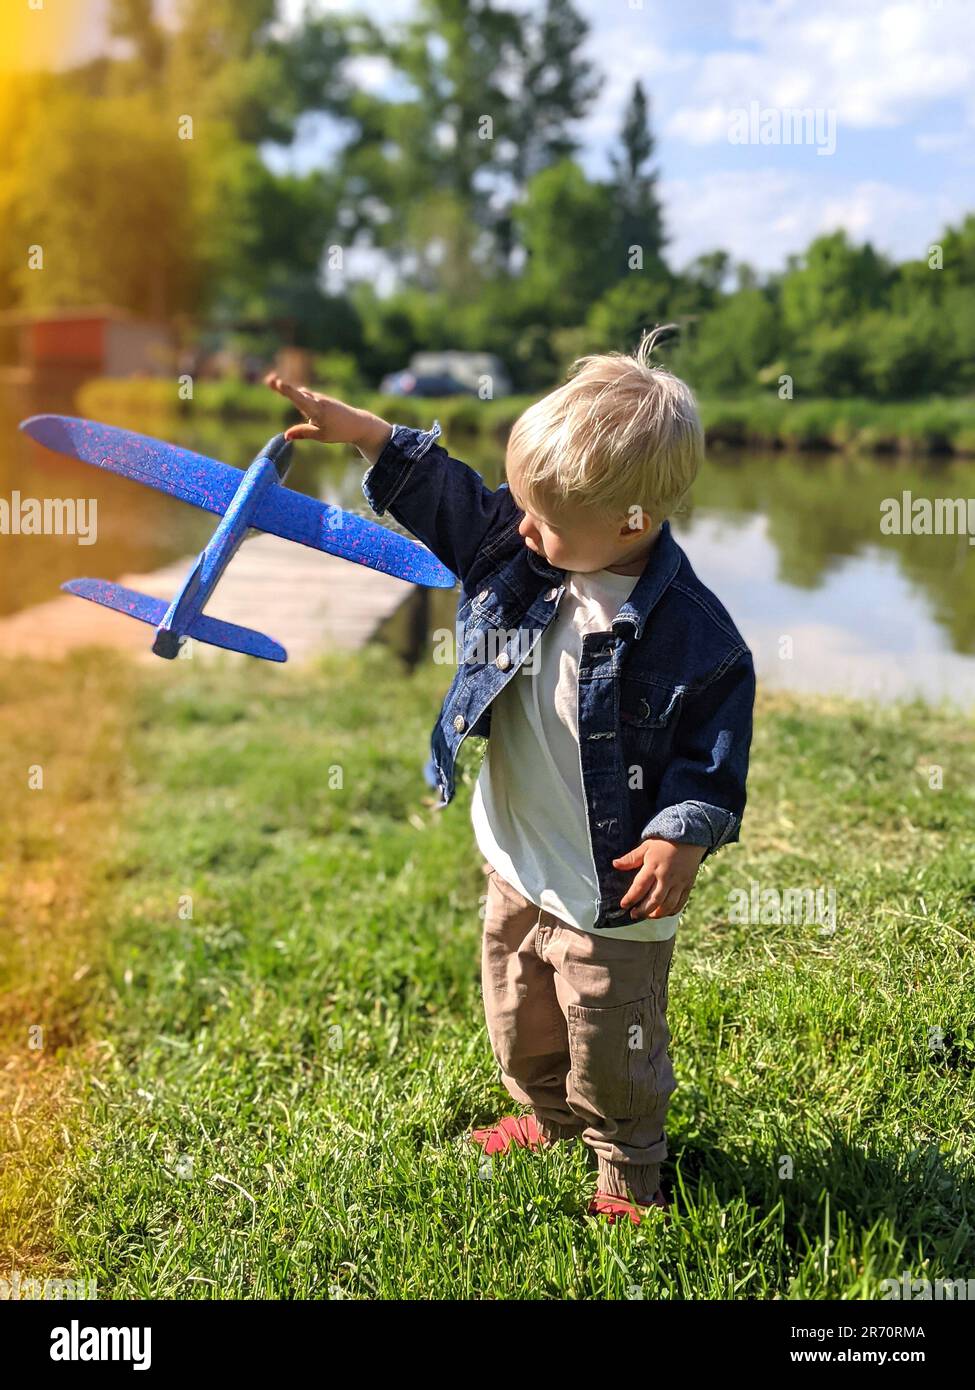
700,125
943,142
872,210
763,216
875,63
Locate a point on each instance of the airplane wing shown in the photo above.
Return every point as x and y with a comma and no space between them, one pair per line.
193,478
297,517
207,483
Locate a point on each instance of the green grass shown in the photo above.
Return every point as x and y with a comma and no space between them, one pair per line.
936,426
266,1098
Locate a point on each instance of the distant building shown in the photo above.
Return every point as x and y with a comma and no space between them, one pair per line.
54,351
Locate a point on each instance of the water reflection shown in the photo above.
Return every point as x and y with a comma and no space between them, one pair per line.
864,628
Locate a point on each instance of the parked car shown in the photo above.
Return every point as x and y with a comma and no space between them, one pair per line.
449,373
408,384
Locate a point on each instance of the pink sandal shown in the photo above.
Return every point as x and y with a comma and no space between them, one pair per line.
614,1208
518,1130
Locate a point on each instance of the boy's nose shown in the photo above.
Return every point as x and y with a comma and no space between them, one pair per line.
529,534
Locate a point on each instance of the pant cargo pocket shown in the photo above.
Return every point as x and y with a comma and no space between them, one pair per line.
611,1075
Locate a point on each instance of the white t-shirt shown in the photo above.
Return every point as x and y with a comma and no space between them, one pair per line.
529,808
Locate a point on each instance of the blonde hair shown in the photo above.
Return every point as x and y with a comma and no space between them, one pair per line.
619,433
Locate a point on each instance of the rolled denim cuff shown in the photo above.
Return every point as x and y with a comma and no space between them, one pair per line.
382,482
694,823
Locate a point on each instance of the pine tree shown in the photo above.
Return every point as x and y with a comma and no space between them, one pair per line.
640,217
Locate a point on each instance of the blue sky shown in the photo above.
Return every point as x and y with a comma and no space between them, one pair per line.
896,76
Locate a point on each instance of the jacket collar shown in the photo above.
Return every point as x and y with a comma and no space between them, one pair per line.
543,567
660,570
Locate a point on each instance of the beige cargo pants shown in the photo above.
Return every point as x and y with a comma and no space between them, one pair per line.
577,1023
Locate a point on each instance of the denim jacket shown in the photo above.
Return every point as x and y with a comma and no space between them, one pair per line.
665,696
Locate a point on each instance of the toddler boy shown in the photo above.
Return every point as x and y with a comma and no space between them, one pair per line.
616,694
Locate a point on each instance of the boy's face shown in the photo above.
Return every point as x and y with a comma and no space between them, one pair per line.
575,538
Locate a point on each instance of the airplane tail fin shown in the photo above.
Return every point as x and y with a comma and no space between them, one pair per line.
236,639
130,601
214,631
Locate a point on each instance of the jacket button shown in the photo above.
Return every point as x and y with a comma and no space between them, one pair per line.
503,661
552,593
484,594
459,722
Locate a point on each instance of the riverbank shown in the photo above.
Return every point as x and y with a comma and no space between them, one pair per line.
941,426
252,948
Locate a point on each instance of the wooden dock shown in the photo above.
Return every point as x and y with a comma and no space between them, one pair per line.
307,600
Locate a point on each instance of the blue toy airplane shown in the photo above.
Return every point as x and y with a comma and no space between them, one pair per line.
255,498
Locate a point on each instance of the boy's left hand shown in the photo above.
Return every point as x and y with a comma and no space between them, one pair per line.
666,876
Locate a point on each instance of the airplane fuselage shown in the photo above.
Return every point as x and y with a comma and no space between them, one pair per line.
270,467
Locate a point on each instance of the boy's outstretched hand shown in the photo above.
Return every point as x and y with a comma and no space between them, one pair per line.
331,421
666,874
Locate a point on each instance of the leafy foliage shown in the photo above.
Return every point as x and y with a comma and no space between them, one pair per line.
457,175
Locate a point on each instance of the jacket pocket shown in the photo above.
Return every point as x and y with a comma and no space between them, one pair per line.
649,720
646,706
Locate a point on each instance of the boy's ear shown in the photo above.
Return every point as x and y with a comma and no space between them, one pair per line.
635,522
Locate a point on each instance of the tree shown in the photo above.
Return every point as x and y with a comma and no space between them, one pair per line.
224,61
639,217
565,223
732,343
555,87
832,283
113,214
261,240
829,360
907,354
135,20
958,247
704,279
454,56
639,301
492,94
444,246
